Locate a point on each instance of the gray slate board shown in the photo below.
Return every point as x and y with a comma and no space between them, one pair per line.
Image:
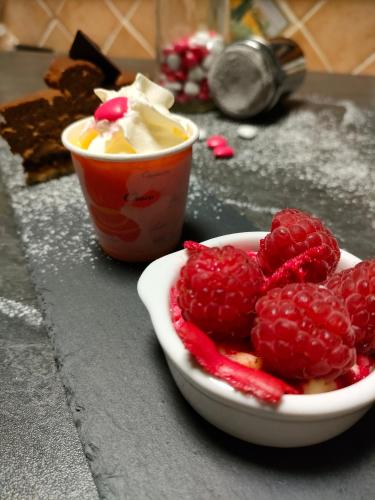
41,454
141,438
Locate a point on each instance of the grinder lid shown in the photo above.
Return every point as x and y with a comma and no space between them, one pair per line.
249,77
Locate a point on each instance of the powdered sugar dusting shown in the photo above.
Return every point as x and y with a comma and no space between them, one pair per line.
317,157
63,223
199,197
14,309
53,215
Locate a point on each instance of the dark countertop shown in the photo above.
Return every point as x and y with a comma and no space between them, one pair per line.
42,456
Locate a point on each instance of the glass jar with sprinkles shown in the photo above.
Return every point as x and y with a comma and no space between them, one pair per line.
190,34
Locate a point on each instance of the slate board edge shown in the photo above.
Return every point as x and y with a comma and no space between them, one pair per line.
47,319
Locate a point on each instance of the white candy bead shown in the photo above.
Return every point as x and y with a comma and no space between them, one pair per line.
202,134
191,88
200,38
173,86
174,61
247,131
216,46
196,74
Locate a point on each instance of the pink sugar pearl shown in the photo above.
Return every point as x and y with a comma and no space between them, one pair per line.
216,140
112,110
223,152
190,59
181,46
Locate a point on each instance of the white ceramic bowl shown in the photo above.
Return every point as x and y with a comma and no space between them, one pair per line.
298,420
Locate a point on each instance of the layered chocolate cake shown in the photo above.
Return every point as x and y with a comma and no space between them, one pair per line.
32,125
73,78
77,81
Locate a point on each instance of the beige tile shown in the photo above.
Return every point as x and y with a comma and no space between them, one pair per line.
26,20
291,28
93,17
126,46
53,5
313,62
345,32
58,40
144,21
124,5
368,70
301,7
179,20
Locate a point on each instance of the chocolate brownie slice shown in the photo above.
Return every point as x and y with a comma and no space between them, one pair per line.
74,78
32,126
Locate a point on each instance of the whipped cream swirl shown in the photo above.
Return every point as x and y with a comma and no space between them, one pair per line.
146,126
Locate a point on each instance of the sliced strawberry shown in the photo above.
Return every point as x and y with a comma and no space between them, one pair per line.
256,382
294,269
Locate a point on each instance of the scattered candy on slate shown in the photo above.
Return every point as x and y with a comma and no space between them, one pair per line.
216,140
220,146
247,132
223,152
202,134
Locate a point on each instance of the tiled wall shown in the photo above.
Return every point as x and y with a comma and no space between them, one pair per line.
123,28
336,35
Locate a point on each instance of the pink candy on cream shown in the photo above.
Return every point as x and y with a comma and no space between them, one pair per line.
134,119
112,110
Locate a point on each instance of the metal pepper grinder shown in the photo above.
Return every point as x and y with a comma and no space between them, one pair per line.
252,75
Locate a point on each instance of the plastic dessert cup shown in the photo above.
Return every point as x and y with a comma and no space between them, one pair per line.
136,201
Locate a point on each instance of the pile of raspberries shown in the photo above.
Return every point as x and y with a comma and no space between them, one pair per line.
282,305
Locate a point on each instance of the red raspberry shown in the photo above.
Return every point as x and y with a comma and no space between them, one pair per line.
303,331
360,370
218,288
302,237
357,287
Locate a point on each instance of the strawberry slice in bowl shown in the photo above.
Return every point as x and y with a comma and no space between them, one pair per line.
295,420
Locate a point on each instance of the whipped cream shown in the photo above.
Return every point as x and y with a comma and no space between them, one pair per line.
146,126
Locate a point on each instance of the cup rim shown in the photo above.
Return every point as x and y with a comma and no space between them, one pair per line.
126,157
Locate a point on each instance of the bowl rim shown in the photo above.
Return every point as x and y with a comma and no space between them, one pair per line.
127,157
153,288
